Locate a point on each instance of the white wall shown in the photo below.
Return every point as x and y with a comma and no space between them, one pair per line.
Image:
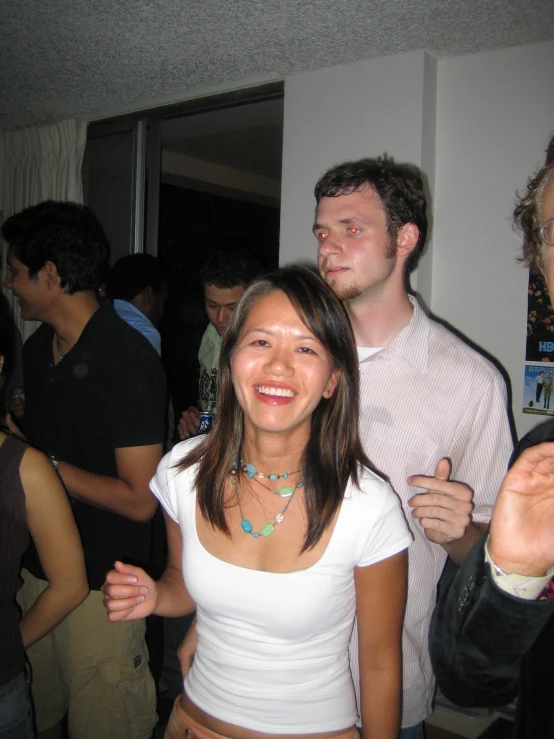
346,112
478,126
495,113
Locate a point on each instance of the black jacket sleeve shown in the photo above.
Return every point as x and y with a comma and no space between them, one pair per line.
479,635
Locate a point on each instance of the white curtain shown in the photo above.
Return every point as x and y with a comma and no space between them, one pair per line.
36,164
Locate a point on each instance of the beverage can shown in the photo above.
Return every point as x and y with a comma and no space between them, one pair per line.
206,420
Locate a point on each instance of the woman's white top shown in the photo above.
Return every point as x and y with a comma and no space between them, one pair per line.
272,650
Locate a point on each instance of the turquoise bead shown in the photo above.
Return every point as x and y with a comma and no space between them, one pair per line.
285,475
286,491
274,477
250,469
246,526
255,534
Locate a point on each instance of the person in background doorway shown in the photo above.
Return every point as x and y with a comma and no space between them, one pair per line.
225,277
138,287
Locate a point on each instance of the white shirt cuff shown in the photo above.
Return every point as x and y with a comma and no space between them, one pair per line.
522,586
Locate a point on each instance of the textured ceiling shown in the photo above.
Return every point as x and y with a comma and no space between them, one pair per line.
64,58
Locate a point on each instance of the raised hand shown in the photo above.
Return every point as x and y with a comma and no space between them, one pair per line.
444,511
129,593
522,525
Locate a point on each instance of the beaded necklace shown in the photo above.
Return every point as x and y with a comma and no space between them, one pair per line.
287,491
269,527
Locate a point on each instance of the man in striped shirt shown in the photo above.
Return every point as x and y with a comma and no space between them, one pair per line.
432,410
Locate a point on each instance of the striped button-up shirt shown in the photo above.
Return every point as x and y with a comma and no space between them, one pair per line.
425,396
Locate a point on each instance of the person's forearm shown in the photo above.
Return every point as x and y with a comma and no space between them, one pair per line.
460,548
111,493
173,599
380,703
475,649
49,609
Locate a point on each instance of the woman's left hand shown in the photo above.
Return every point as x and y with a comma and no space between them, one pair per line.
129,593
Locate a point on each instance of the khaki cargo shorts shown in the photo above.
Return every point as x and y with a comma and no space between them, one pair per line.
93,670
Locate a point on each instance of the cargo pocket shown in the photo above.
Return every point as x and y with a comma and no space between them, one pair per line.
126,696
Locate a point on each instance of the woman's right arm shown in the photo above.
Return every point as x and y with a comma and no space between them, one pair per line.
52,526
129,593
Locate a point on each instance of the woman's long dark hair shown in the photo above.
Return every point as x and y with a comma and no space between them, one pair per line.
334,452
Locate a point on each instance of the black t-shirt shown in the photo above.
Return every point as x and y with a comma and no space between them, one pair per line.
108,392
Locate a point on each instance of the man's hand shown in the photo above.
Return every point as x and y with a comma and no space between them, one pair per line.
189,423
187,648
445,509
522,525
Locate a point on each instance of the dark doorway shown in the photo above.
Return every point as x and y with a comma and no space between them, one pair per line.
220,188
193,225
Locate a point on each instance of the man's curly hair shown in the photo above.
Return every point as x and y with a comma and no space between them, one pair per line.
398,185
527,213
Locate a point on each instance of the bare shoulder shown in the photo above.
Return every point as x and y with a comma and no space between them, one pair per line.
35,464
38,477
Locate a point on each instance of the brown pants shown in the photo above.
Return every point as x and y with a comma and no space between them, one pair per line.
182,726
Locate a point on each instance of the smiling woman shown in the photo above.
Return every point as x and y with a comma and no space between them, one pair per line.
280,371
279,533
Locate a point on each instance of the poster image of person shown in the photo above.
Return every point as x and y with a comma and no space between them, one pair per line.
540,322
537,389
539,385
547,390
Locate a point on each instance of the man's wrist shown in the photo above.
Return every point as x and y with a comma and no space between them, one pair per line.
509,567
525,586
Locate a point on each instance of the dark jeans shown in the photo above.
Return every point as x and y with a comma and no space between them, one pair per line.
412,732
16,720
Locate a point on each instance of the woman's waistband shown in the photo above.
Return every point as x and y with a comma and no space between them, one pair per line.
182,726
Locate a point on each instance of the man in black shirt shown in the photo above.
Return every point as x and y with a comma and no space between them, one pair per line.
95,400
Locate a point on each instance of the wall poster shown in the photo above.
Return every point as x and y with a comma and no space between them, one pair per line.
539,355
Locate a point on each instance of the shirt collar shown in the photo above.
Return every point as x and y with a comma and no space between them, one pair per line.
211,342
124,305
411,343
